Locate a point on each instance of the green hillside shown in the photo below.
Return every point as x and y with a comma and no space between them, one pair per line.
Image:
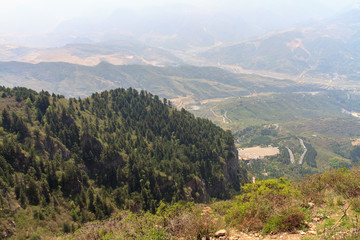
322,120
322,206
68,161
198,83
283,107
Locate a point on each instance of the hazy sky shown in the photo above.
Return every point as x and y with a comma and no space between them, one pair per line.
37,16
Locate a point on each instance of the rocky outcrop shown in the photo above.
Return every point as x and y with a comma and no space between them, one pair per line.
234,174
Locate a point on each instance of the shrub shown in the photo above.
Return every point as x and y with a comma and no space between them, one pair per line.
184,220
336,162
66,227
343,181
34,236
267,205
286,221
312,189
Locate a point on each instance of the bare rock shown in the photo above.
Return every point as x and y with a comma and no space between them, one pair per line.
311,204
221,233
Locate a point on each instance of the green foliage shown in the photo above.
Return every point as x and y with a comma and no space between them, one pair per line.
5,120
123,148
355,154
336,162
66,227
310,157
278,166
341,181
282,157
261,207
270,207
260,141
170,211
42,102
33,193
287,221
144,226
288,107
34,236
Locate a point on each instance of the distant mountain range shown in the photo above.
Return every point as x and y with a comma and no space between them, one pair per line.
177,26
116,52
188,82
325,53
328,50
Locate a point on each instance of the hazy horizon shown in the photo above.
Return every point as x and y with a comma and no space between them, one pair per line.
27,22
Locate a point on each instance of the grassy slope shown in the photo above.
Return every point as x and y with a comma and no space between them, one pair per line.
317,118
171,82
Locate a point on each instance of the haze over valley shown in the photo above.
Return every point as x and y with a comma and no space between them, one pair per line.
179,120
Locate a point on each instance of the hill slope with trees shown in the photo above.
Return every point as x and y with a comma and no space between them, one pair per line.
73,160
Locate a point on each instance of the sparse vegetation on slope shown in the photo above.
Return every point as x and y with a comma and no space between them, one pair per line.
196,83
322,206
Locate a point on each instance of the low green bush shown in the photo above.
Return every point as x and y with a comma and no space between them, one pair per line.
267,205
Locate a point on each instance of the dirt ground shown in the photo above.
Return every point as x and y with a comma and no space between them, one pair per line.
356,142
257,152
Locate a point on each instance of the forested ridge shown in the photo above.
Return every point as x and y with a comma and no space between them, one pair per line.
119,149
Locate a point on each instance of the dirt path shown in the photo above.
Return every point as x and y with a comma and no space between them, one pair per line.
217,115
236,235
226,117
304,153
292,159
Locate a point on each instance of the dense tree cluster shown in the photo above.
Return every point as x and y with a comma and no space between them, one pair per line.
120,148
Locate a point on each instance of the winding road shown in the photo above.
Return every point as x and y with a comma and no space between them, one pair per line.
292,159
226,117
304,153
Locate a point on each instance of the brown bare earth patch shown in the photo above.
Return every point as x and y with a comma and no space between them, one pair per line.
297,43
214,100
182,102
257,152
236,235
356,142
64,56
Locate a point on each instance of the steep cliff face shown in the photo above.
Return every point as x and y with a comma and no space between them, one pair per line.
232,176
235,175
